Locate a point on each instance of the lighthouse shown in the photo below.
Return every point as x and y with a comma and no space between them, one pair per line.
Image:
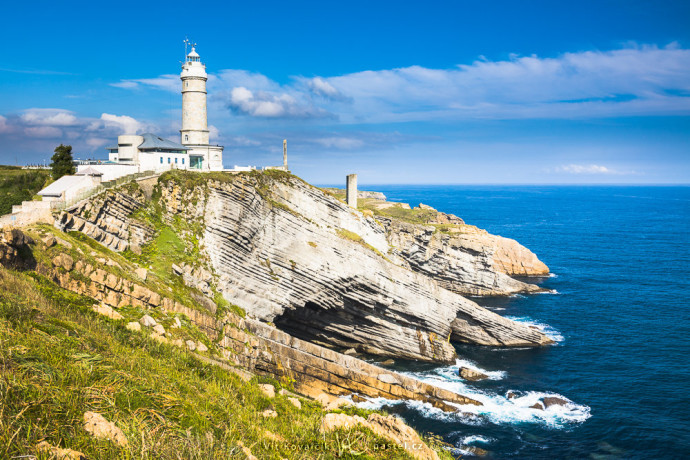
194,133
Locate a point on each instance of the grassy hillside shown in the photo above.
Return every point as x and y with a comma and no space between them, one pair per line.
17,185
60,359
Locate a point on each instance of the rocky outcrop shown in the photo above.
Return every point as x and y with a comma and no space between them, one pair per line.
288,253
314,369
464,259
105,218
12,241
472,375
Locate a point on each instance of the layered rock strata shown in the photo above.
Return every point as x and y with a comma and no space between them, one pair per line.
465,259
290,254
256,346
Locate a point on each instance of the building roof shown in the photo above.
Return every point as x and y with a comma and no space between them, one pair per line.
64,183
89,172
151,141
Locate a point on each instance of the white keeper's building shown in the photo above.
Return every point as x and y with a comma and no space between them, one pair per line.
149,152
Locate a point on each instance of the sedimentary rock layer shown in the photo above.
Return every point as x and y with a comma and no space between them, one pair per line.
289,254
465,259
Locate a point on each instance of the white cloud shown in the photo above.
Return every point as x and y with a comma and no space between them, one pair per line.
321,87
633,81
123,123
166,82
589,169
270,105
4,126
213,133
43,131
95,142
49,117
343,143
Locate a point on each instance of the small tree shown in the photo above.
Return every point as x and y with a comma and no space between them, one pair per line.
62,161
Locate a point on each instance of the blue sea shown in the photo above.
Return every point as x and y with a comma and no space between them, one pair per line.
620,258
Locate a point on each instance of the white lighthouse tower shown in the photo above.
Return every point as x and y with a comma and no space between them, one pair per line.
194,133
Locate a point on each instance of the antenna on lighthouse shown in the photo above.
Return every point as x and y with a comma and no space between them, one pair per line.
186,43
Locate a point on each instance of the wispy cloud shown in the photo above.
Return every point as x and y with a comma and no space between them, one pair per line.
590,169
639,80
49,126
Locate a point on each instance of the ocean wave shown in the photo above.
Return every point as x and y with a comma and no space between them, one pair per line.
548,330
474,439
495,408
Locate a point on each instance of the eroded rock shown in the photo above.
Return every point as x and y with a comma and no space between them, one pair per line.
99,427
471,374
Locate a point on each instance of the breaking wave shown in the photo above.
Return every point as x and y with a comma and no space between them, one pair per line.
548,330
496,408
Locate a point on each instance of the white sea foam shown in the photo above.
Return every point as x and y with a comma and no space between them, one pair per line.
495,408
475,439
549,331
553,275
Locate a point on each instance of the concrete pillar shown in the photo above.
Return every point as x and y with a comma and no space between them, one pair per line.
285,154
351,195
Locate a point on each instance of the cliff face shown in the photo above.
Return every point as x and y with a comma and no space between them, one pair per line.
465,259
289,254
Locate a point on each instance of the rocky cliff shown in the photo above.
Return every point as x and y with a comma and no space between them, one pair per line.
465,259
290,254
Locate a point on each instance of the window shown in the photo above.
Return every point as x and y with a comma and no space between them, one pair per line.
183,161
168,160
161,160
175,160
186,137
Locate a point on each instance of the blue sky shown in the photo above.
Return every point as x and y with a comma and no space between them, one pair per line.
399,92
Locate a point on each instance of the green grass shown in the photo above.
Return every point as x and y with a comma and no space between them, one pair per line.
17,185
58,360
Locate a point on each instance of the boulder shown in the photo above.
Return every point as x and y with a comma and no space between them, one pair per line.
49,241
141,273
471,374
99,427
177,269
64,261
330,402
295,402
268,390
554,401
147,321
476,451
159,329
191,345
201,347
133,326
269,413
